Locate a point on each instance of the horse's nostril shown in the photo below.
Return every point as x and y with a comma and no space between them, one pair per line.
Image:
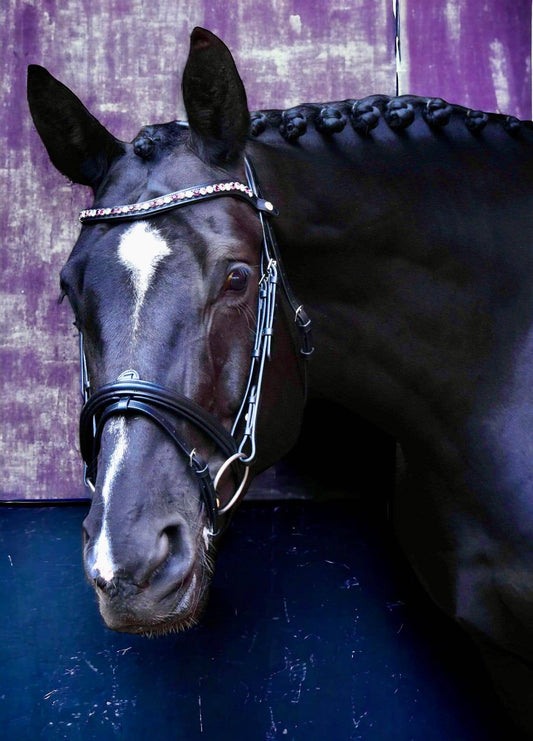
109,588
169,555
149,556
180,554
172,536
100,582
162,550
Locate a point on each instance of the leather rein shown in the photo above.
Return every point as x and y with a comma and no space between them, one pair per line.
129,395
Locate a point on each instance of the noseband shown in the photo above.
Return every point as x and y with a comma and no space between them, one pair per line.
130,395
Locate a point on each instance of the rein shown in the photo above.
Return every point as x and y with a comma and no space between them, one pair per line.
131,395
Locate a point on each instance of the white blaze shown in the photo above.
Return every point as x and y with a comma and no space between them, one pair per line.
102,550
140,250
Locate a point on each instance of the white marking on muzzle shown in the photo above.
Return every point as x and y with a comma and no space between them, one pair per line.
140,250
104,562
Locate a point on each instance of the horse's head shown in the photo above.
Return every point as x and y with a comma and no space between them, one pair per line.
165,296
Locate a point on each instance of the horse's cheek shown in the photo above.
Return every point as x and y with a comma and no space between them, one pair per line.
230,348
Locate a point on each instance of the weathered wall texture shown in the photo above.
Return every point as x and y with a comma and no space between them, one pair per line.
123,59
475,53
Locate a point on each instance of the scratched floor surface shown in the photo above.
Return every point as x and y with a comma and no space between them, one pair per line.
314,631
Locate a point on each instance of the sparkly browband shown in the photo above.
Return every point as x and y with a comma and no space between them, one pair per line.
178,198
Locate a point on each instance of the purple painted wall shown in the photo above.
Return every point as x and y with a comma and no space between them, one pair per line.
477,54
123,59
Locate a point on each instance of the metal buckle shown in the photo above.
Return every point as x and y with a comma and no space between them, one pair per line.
261,352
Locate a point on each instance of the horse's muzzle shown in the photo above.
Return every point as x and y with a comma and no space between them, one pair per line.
148,583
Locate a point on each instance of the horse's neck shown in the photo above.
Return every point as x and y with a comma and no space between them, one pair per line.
404,248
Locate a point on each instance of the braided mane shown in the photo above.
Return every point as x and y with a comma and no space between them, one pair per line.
365,114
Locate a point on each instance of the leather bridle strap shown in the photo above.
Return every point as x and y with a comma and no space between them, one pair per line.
137,397
300,316
152,401
161,204
152,393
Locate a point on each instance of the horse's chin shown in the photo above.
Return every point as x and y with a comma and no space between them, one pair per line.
141,613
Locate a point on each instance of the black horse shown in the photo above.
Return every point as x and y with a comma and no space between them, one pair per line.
405,226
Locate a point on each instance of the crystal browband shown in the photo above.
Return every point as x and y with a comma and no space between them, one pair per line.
175,199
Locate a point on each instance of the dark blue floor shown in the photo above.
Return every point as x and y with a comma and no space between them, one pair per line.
314,631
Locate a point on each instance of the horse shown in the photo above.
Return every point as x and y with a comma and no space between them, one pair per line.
372,252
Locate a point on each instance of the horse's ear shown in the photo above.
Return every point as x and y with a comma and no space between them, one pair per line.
215,99
78,145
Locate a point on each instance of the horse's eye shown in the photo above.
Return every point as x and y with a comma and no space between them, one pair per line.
237,280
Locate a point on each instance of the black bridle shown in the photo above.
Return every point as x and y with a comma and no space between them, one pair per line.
131,395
